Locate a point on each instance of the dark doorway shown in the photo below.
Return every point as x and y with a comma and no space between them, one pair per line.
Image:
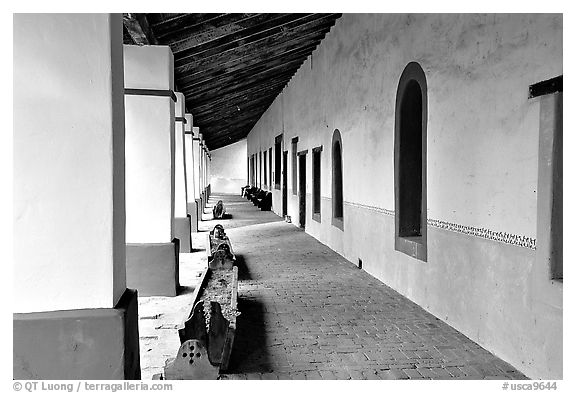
316,182
285,184
302,189
277,161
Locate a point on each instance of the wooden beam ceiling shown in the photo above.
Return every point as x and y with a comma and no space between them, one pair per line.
230,67
139,29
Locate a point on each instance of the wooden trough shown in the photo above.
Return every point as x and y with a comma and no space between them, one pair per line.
207,334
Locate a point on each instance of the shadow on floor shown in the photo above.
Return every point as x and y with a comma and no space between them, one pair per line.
243,272
225,216
249,353
184,289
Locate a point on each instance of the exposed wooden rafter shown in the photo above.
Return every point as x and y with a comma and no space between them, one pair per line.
231,67
139,29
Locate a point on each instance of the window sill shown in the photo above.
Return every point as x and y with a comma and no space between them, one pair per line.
414,246
338,222
316,217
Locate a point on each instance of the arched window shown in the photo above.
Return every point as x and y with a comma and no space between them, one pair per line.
337,186
410,162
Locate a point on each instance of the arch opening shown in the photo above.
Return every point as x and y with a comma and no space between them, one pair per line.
337,182
410,130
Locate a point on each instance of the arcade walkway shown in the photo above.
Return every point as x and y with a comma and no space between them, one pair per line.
307,313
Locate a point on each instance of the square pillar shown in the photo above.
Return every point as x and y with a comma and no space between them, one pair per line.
151,247
181,219
197,171
208,174
190,180
204,193
73,316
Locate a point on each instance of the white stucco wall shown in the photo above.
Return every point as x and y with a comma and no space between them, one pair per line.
68,162
150,145
228,168
482,158
180,159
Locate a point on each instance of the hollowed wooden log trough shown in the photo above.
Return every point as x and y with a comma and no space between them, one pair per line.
207,334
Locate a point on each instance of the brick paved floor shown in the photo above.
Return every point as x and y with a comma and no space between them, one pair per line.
307,313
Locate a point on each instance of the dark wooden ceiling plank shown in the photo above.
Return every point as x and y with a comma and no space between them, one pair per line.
274,85
303,49
220,91
271,88
241,102
259,23
161,27
234,83
296,49
220,124
139,29
235,119
127,38
306,23
277,64
208,30
162,17
237,99
186,61
236,61
159,18
260,48
223,112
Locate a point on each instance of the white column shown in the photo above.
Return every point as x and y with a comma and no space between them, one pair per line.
202,193
190,181
208,175
197,163
73,316
150,144
206,172
69,250
182,224
151,252
180,160
189,152
204,167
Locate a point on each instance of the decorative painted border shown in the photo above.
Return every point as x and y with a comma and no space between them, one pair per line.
503,237
373,208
